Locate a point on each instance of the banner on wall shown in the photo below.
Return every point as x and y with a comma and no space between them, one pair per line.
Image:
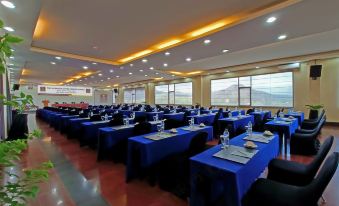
63,90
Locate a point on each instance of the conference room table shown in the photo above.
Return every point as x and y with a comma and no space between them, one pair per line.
299,115
143,152
233,113
108,137
63,122
150,115
214,178
74,126
206,111
175,116
234,123
285,127
206,119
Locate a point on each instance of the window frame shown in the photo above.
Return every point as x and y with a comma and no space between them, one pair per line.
293,90
174,91
134,95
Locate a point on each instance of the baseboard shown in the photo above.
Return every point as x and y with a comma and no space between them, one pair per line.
332,123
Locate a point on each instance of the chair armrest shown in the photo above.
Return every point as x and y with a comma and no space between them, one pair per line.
288,172
272,193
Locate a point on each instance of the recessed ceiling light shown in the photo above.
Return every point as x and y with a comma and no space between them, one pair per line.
7,28
117,76
156,73
130,73
227,71
207,41
257,67
146,75
80,80
165,64
167,53
10,64
11,57
131,65
12,50
111,70
95,47
151,68
271,19
85,78
100,74
225,50
282,37
141,70
173,75
58,58
85,84
53,63
102,80
121,67
94,63
144,60
108,78
85,67
188,59
8,4
92,77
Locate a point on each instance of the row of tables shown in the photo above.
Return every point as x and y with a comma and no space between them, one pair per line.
226,179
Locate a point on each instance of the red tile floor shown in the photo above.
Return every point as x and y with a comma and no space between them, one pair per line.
108,179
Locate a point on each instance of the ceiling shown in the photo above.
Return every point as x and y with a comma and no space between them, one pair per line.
80,30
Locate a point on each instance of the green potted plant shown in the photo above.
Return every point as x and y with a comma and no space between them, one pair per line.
17,188
314,110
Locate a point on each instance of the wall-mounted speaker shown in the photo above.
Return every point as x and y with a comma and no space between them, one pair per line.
116,91
315,71
16,86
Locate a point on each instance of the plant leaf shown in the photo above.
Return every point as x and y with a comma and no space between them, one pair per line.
13,39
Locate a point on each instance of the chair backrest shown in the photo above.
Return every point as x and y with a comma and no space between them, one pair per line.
142,128
314,166
249,111
117,119
139,119
95,117
315,190
197,144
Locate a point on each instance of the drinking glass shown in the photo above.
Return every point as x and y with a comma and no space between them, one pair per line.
226,136
159,128
155,119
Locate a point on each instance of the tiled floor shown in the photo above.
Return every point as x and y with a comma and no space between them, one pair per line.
79,179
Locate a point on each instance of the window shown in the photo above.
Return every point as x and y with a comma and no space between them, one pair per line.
128,96
161,94
271,90
140,95
224,92
134,95
183,93
180,93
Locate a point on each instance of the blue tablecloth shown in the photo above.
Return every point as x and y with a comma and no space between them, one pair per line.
227,179
74,128
233,113
175,116
233,123
149,152
90,131
287,128
110,136
299,115
206,111
63,123
150,115
125,112
207,119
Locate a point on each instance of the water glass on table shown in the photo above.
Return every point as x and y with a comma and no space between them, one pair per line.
159,128
225,139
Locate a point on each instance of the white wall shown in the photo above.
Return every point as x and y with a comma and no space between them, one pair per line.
93,100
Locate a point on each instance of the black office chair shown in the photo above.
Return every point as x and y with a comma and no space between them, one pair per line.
249,111
117,119
267,192
142,128
294,173
173,171
306,143
95,117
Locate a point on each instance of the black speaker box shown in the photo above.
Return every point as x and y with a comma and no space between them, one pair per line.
16,86
315,71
